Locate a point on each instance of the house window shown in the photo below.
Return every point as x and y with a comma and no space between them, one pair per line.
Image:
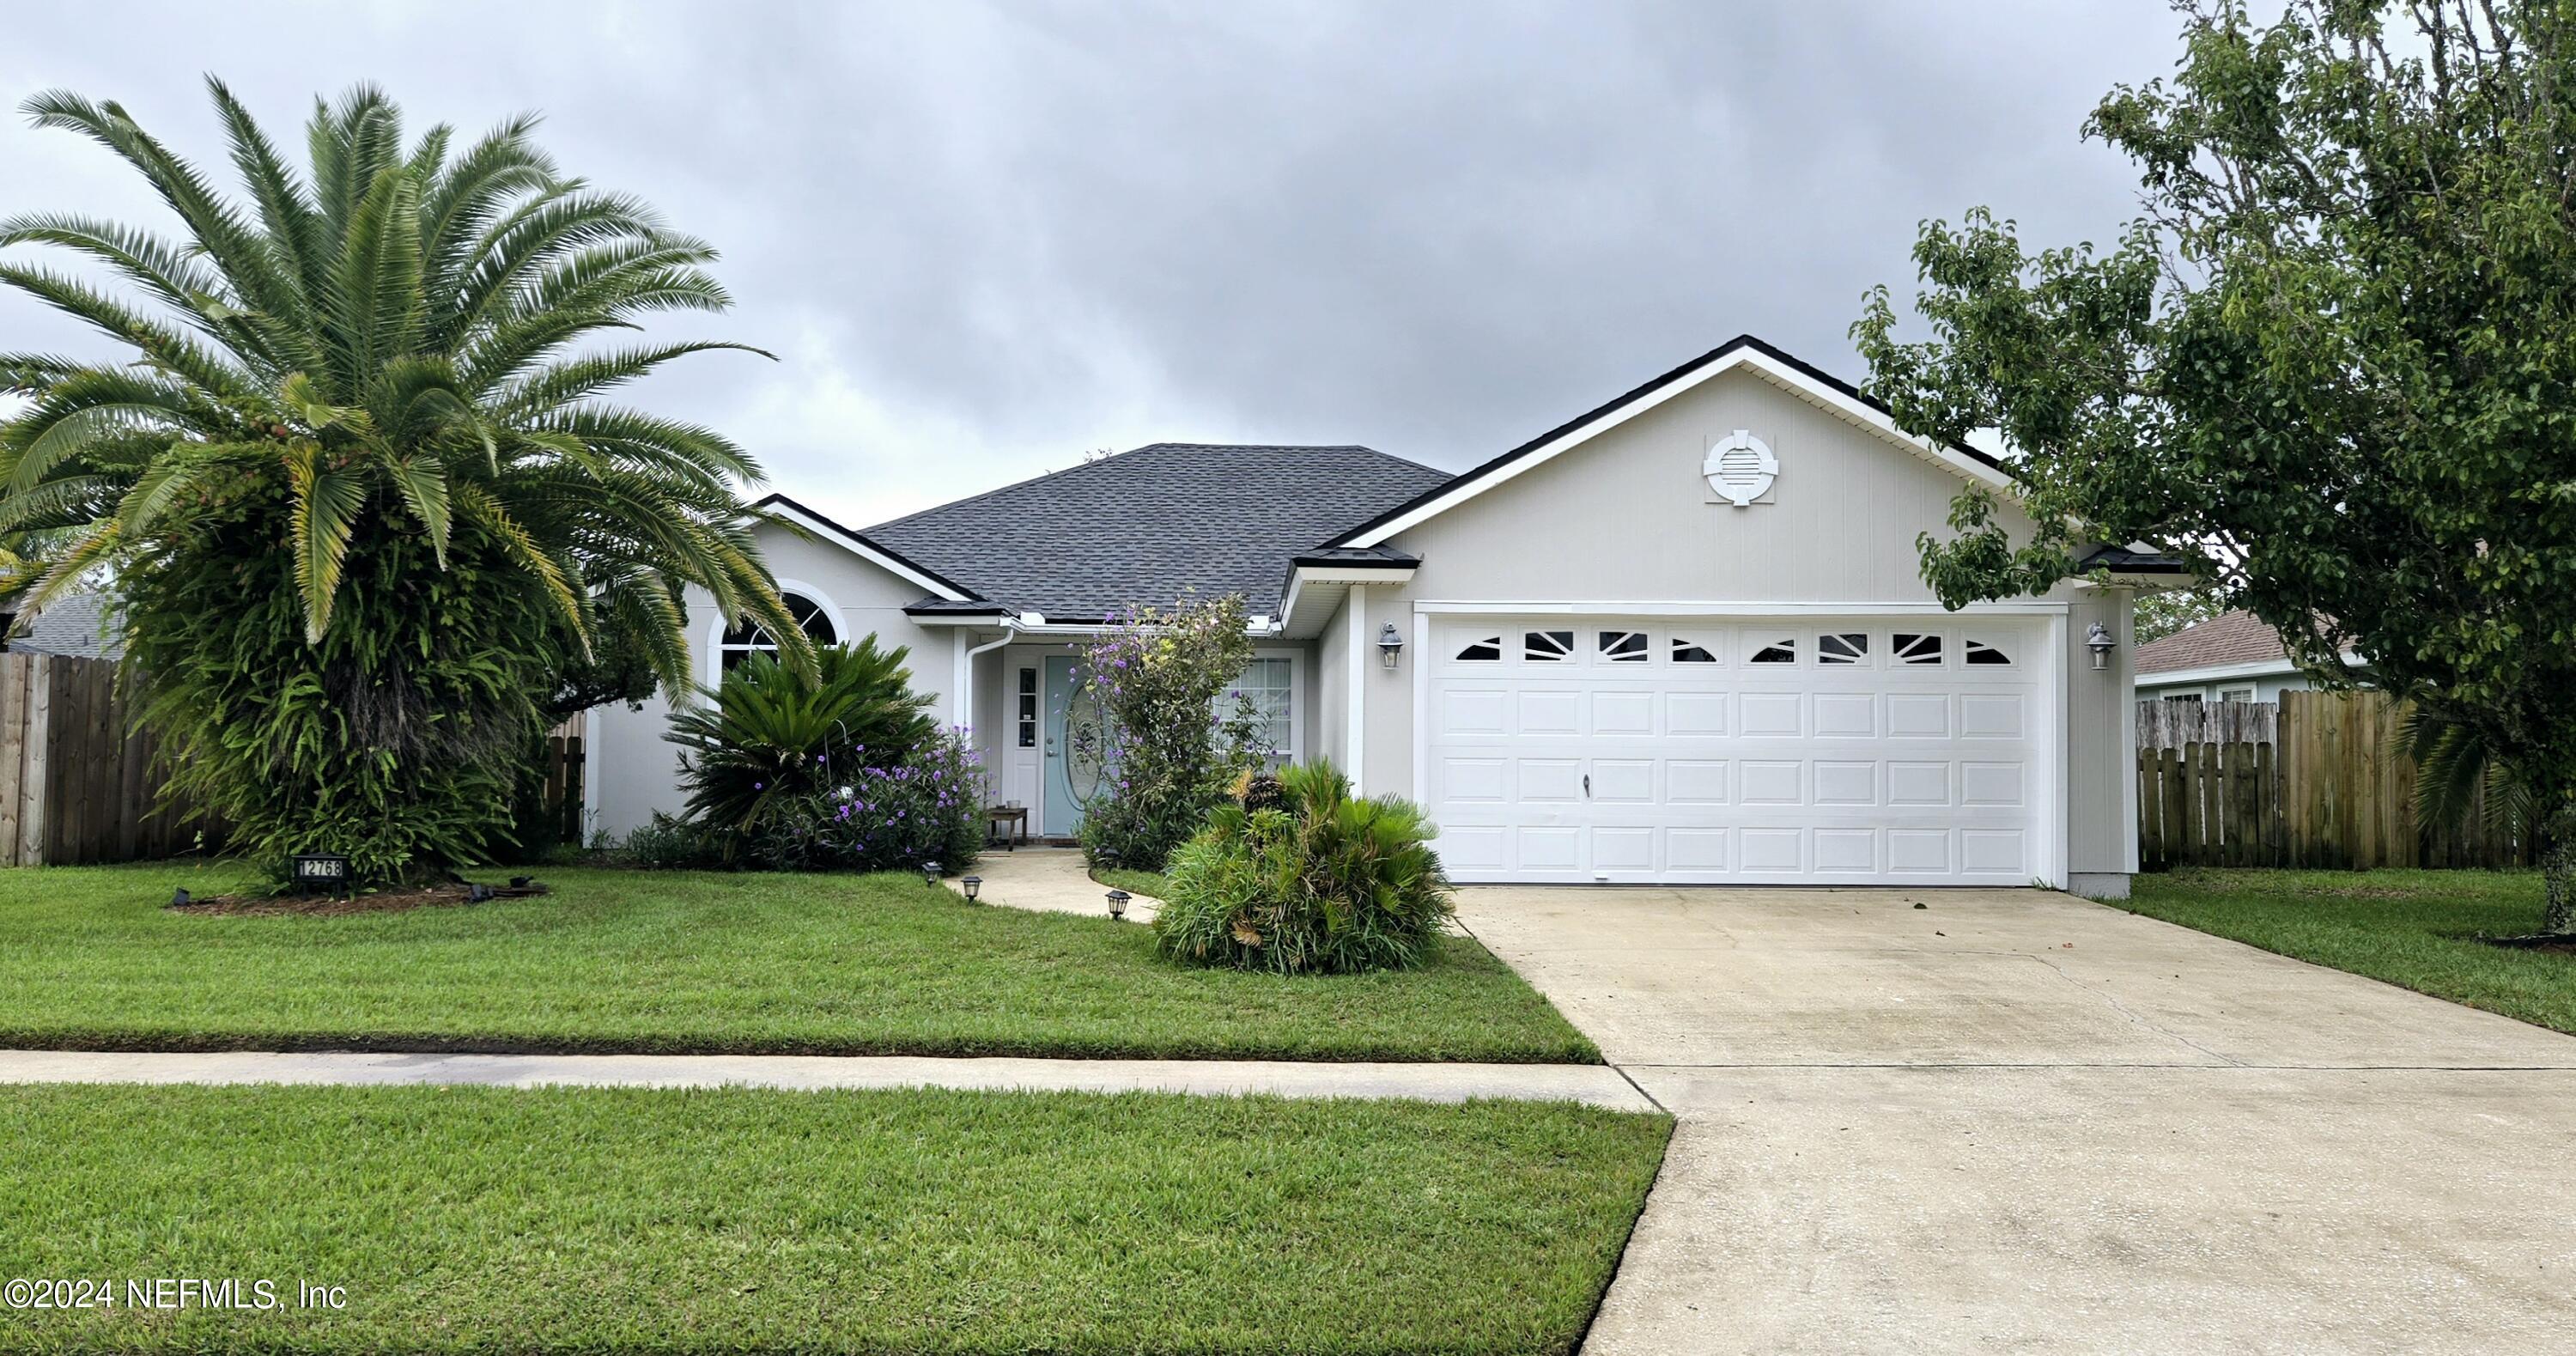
1915,649
2236,694
1623,647
1781,651
1268,686
1692,652
1486,651
1981,653
1843,647
748,637
1027,714
1547,647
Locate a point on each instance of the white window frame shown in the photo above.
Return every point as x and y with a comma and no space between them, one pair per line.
1296,750
713,650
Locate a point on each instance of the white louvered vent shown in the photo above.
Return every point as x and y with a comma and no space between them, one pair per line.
1740,468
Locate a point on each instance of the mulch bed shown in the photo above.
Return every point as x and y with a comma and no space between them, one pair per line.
375,901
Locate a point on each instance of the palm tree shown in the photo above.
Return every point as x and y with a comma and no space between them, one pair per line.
388,348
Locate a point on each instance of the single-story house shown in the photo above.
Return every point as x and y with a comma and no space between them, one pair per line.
1679,638
2232,657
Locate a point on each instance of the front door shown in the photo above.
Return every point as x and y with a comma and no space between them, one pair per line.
1069,778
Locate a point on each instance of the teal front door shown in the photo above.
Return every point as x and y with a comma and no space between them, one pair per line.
1069,777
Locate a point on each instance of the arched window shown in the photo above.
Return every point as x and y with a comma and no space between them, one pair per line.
749,637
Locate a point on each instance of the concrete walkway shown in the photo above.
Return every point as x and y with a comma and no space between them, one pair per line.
1426,1082
1049,880
2013,1120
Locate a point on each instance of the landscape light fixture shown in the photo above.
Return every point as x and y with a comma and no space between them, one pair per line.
1117,904
1389,645
2099,641
930,873
972,884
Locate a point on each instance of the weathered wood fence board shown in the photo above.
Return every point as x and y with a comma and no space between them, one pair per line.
2313,782
80,779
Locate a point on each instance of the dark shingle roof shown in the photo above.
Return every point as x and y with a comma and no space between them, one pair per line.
1149,525
76,624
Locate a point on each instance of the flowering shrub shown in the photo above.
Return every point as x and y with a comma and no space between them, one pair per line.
1308,879
850,773
1165,750
894,815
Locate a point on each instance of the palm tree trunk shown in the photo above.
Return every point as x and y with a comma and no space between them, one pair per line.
2558,870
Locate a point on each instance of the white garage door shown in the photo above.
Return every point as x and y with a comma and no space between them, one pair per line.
1805,751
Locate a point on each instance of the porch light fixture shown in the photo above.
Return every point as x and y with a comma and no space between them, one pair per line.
930,873
972,884
2099,641
1389,645
1117,904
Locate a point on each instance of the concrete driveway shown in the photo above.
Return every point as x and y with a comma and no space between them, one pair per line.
2015,1120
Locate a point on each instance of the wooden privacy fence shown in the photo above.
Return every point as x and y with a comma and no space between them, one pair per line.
2326,790
78,780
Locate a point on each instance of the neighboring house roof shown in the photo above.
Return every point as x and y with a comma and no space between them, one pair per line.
1743,351
1148,525
2227,640
75,624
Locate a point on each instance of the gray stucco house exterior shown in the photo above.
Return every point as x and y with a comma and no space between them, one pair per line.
1680,638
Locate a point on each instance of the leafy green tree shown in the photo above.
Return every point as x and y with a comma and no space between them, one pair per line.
357,486
2161,614
2332,364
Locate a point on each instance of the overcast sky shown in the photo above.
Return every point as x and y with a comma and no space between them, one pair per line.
984,238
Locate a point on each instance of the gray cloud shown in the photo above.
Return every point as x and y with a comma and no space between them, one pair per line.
983,238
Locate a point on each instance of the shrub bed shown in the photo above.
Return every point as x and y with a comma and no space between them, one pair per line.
1298,876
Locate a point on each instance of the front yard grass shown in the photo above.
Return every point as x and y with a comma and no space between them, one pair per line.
703,962
2413,928
737,1220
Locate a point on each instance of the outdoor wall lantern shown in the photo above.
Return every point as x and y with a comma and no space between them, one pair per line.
972,884
930,873
1389,645
1117,904
2099,641
326,872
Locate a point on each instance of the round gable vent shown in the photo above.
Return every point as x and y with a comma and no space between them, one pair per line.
1740,468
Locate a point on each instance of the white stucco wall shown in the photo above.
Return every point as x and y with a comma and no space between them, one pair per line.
1626,518
632,771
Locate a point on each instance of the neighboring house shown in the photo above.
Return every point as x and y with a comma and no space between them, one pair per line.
76,624
2232,657
1681,638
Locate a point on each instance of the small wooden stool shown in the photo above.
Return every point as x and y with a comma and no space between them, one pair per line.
995,816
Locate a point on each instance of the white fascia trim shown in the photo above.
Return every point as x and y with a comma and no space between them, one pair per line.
859,546
1779,374
2261,668
2033,607
1300,577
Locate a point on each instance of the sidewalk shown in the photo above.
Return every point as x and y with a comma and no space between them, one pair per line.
1051,880
1593,1084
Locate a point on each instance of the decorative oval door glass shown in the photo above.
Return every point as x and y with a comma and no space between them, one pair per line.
1086,731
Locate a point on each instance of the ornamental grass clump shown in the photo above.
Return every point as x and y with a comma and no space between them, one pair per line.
1322,882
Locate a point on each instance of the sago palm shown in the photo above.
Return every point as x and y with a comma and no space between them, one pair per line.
377,374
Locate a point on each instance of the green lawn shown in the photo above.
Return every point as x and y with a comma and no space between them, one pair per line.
478,1219
2414,928
703,962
